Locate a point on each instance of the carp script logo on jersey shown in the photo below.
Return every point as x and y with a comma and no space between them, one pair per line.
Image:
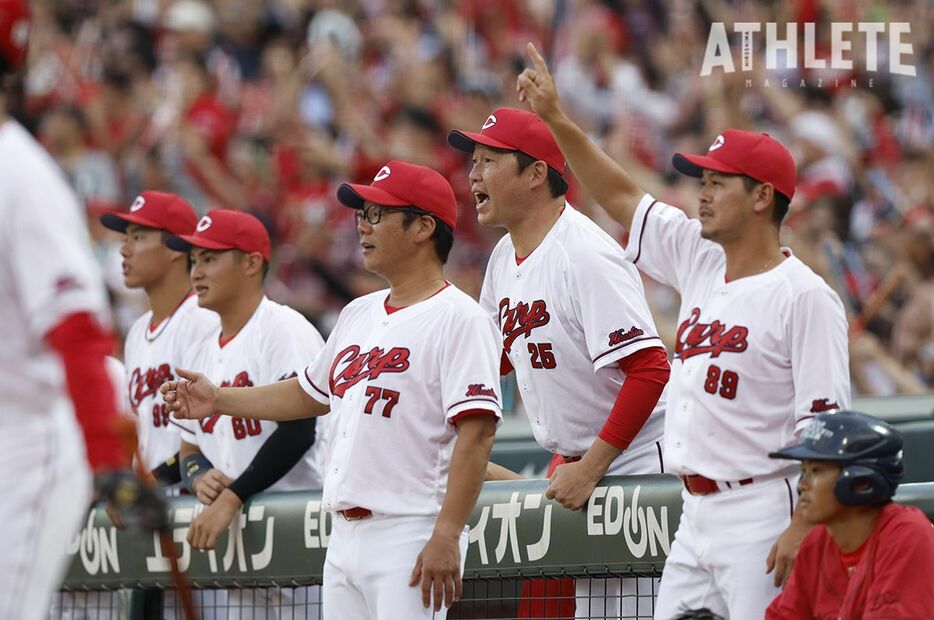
696,338
242,379
145,383
521,319
367,365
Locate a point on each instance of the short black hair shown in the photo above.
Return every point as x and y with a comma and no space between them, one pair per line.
780,205
556,183
443,237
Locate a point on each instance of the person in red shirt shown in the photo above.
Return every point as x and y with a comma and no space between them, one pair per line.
867,558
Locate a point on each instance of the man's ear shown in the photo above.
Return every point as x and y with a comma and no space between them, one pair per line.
426,228
764,196
539,174
253,263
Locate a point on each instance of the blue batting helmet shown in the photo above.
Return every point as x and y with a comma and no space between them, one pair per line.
868,450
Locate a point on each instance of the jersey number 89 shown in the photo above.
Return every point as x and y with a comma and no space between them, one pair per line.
723,382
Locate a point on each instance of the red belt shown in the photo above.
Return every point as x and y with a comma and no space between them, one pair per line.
356,513
701,485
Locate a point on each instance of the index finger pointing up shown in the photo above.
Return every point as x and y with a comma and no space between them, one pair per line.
537,59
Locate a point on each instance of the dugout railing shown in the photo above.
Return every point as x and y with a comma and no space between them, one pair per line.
279,542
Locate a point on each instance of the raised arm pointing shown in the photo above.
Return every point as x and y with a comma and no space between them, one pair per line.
604,179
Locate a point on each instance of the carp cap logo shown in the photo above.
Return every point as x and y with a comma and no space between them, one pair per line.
138,204
717,143
489,122
204,223
383,173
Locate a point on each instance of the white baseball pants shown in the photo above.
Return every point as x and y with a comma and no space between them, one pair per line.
46,489
718,556
368,566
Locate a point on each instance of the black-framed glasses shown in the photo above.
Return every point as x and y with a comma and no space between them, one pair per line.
373,212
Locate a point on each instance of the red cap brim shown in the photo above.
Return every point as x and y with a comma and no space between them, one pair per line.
184,243
354,195
119,221
466,140
694,165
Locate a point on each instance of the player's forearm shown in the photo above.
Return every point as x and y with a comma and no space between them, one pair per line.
465,478
498,472
599,457
605,180
283,400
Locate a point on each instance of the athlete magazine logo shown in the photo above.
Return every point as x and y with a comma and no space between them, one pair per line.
828,52
365,365
521,319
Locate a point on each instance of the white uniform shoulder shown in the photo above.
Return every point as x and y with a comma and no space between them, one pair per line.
462,304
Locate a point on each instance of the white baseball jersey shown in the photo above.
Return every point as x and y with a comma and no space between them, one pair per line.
275,344
396,383
151,355
567,313
47,271
755,357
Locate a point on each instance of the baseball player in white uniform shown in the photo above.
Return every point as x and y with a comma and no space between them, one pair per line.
54,383
225,460
168,334
761,348
574,322
411,375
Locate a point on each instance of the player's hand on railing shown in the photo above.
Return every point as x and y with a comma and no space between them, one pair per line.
209,485
537,87
191,397
571,485
209,524
438,571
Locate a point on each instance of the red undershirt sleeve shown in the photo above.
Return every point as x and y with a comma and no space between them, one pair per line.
647,373
505,366
83,346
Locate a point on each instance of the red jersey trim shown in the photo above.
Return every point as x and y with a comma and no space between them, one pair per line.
645,220
312,384
624,345
390,309
474,400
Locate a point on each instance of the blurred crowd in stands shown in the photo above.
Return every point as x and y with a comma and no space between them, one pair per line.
267,105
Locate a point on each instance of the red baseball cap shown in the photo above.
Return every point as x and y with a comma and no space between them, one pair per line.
757,155
401,184
510,129
223,229
14,32
155,210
